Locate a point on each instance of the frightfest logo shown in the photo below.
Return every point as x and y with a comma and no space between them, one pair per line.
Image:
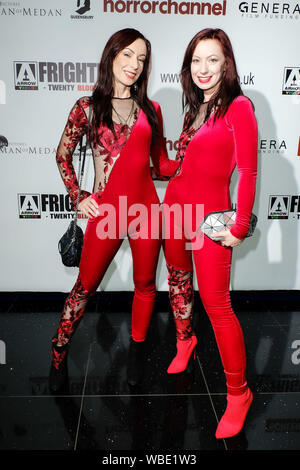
53,206
55,76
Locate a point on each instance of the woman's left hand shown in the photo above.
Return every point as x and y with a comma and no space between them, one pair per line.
229,239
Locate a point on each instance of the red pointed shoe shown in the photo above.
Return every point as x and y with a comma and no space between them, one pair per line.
185,349
234,417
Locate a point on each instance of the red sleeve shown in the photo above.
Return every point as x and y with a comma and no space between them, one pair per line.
164,168
241,119
75,127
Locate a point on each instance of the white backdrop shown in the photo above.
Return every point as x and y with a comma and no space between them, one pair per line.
49,52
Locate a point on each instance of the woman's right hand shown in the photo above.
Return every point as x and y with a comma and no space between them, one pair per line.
89,207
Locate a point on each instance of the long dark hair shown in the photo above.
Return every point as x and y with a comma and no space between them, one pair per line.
192,95
103,91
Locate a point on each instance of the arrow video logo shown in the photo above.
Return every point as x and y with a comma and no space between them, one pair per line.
279,207
291,81
26,75
29,206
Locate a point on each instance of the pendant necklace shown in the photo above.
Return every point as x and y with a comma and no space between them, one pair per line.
121,119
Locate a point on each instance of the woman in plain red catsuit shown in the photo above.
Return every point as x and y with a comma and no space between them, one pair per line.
219,133
126,127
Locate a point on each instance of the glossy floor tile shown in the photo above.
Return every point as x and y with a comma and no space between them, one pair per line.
39,423
166,413
150,423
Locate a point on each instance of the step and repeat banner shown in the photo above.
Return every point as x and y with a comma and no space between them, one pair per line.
49,55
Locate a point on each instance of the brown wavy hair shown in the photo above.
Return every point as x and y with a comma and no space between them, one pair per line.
103,91
192,95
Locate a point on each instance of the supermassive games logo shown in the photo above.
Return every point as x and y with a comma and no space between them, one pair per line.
55,76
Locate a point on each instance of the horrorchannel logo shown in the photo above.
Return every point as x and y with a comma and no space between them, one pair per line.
165,7
55,76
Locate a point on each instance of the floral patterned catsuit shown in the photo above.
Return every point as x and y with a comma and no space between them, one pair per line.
122,169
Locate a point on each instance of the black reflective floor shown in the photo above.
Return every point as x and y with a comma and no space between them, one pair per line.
166,413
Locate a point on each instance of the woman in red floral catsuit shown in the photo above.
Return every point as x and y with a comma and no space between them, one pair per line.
126,128
219,133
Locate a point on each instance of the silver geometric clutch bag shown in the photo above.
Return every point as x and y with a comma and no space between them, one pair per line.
223,220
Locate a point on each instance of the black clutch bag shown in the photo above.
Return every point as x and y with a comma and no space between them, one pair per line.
223,220
70,244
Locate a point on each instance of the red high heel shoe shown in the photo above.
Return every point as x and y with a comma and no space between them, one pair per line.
184,352
234,417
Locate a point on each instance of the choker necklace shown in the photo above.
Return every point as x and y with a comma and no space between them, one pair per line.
117,98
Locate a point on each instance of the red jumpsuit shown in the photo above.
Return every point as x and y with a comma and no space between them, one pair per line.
208,157
122,168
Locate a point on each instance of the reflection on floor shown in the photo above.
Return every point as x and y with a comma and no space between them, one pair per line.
165,413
